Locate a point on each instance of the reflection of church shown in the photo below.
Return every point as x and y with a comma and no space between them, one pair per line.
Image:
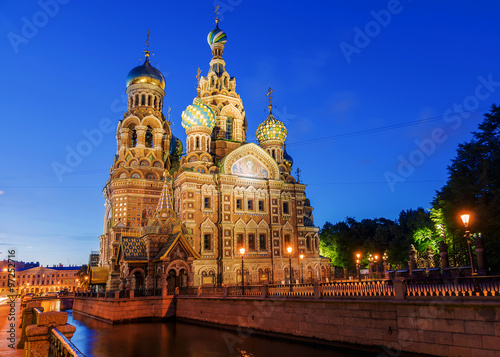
181,219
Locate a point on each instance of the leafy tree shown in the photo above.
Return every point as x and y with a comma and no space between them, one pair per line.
474,186
82,273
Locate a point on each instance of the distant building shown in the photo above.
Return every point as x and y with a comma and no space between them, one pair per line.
41,279
175,219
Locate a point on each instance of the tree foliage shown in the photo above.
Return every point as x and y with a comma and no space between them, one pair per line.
473,186
342,241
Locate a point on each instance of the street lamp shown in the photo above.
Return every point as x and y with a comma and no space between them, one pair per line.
358,256
289,250
465,220
242,252
301,269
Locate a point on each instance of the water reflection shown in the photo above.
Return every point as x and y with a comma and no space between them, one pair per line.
99,339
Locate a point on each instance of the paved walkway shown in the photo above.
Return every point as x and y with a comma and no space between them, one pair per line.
5,350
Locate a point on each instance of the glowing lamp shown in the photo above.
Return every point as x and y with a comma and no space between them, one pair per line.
465,219
301,256
289,250
242,251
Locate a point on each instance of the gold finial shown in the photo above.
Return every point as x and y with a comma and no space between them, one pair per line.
198,76
269,91
217,14
147,44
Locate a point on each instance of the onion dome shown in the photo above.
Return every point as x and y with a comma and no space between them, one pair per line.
146,73
216,35
271,129
287,159
175,146
198,114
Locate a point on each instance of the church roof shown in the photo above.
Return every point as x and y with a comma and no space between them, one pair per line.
133,248
167,246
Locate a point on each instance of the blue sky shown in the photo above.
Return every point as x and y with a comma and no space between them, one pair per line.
376,95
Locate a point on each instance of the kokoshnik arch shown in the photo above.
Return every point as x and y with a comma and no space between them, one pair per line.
175,219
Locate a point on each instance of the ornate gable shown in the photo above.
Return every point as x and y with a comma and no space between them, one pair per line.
250,160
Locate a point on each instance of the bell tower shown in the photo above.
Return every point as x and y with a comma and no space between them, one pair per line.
218,90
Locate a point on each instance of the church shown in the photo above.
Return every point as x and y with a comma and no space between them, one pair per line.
177,219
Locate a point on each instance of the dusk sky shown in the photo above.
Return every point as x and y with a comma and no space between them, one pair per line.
376,95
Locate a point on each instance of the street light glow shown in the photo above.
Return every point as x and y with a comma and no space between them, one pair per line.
301,256
289,250
465,219
242,251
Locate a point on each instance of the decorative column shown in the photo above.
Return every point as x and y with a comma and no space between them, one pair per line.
481,266
141,135
430,256
157,138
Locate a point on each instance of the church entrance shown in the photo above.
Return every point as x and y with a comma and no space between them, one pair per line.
176,280
139,280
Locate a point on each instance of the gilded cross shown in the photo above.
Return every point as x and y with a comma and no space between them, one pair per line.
168,113
217,14
198,75
297,172
269,91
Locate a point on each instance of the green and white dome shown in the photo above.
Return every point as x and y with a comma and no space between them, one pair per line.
198,114
271,129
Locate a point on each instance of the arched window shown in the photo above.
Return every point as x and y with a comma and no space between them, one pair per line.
229,128
136,103
225,81
197,142
155,102
273,154
149,100
143,99
308,242
134,138
149,137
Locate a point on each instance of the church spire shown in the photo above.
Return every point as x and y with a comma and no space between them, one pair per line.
165,201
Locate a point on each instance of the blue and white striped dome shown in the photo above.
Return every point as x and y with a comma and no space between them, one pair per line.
216,36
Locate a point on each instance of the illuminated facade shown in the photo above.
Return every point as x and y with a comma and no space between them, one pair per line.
178,219
41,279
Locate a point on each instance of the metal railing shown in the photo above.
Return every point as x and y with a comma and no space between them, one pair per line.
60,346
460,286
359,288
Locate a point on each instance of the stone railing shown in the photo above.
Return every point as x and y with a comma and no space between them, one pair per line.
40,330
380,289
60,346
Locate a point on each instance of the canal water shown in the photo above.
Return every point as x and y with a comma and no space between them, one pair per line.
181,339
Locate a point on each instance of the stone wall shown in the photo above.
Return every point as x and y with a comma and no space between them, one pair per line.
126,310
435,327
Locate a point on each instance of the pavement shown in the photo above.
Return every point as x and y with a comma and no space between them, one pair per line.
5,350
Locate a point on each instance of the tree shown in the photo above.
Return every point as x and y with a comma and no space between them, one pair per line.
82,274
474,186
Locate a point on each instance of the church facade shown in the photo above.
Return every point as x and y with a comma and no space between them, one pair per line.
175,218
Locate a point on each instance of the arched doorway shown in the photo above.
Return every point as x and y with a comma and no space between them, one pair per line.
171,281
139,280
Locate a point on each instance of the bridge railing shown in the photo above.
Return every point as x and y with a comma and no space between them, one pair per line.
60,346
358,288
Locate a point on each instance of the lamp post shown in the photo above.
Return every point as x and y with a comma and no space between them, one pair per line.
289,250
465,220
242,252
375,261
357,266
301,269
